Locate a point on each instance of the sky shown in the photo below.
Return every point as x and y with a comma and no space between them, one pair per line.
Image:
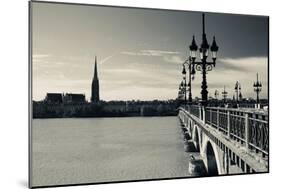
140,51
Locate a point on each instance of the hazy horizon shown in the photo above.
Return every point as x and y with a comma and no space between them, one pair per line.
140,51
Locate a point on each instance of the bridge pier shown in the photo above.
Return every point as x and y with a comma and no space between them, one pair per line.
189,146
187,135
196,167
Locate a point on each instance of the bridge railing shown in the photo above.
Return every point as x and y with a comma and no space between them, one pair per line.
247,127
195,110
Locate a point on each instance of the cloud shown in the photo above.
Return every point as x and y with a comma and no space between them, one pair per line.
173,59
107,58
159,53
123,71
243,64
244,70
167,56
37,56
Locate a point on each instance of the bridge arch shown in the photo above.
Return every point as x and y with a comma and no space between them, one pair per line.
212,163
191,128
189,125
196,139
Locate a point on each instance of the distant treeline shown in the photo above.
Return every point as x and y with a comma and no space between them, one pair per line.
105,109
43,109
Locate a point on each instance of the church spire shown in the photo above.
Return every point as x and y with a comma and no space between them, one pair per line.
95,85
96,69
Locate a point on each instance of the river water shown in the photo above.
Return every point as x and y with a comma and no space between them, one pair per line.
90,150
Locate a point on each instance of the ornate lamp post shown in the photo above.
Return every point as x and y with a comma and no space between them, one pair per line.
204,65
257,88
237,89
216,97
184,89
179,93
216,94
181,90
224,94
240,95
191,71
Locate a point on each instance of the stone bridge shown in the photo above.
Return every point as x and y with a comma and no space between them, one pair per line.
224,140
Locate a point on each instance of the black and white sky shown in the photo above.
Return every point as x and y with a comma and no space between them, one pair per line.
140,51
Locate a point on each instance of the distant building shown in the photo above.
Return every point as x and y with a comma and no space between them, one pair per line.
95,97
74,98
53,98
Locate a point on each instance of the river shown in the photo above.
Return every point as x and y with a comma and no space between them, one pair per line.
90,150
